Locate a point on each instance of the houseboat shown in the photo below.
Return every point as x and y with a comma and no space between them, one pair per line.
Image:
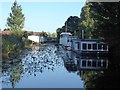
89,46
63,38
42,39
66,39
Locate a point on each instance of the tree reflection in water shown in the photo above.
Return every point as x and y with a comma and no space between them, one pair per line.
39,60
47,58
93,79
11,73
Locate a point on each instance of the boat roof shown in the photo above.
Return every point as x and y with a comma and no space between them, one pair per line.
89,40
65,33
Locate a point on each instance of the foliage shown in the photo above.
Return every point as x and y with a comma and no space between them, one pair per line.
25,34
11,44
44,34
6,29
16,20
87,23
58,31
71,24
54,35
107,18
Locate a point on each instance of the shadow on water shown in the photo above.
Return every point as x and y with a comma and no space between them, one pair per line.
95,72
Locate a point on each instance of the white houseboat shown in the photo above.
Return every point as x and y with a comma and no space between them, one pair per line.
89,45
66,39
42,39
63,38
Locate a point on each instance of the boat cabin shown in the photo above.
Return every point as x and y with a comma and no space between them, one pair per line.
63,38
89,45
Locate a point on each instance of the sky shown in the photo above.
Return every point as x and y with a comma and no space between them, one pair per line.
42,16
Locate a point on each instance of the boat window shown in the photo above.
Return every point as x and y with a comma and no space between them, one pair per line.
104,63
84,46
104,46
89,63
99,46
83,63
94,46
94,63
89,46
78,45
99,64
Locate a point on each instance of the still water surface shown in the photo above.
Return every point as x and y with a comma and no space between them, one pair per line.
43,67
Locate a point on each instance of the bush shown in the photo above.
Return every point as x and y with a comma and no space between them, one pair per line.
11,44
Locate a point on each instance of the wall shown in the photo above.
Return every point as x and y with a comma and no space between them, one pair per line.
34,38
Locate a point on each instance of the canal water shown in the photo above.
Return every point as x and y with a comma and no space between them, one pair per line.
42,67
48,66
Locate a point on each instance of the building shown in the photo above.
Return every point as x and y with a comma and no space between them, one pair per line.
34,38
5,32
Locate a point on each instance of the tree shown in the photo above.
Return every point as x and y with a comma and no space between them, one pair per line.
58,31
54,35
44,34
25,34
16,19
107,16
87,23
72,24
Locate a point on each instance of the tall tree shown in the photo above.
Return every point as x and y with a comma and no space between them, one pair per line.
16,19
87,23
107,16
72,24
58,31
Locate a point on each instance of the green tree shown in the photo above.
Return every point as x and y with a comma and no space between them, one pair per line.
44,34
107,17
16,19
25,34
87,23
72,24
58,31
54,35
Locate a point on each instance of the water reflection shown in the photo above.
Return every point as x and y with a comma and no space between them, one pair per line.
39,60
11,72
42,61
38,67
94,71
76,61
